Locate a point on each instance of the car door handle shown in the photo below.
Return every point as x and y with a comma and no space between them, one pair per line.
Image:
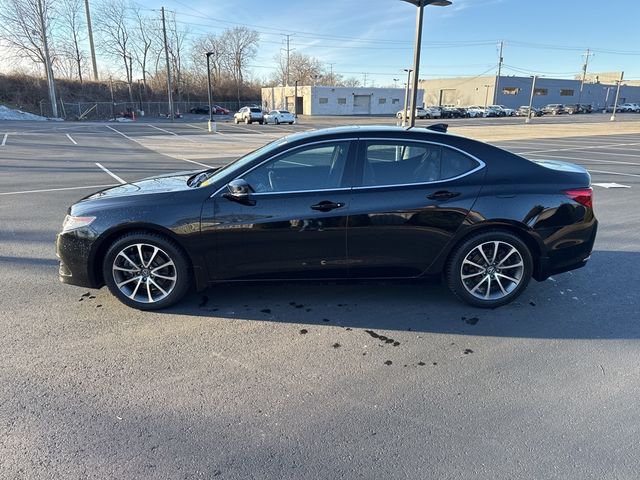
327,206
442,195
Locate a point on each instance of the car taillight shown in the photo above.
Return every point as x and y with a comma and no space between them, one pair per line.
584,196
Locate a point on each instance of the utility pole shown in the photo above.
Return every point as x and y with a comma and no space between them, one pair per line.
331,73
585,65
129,76
364,83
288,55
416,66
615,105
47,60
500,60
91,46
166,54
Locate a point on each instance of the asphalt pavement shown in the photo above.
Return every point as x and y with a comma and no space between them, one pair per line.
292,381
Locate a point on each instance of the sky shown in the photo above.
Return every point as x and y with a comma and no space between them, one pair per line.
375,37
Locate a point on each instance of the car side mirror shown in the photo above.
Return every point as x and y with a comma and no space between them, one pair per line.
239,191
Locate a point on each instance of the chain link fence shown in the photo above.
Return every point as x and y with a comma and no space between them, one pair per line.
108,110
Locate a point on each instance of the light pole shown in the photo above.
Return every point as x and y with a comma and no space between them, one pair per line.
295,100
486,96
211,122
615,104
533,92
416,50
395,82
406,96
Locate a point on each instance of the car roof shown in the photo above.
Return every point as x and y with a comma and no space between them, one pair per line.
357,130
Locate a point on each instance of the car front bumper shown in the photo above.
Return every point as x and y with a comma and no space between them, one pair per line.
73,250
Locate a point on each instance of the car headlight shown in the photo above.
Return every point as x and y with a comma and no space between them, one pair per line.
72,223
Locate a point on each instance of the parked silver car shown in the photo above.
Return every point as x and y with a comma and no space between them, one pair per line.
249,115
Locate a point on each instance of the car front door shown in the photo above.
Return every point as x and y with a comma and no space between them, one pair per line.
411,199
293,223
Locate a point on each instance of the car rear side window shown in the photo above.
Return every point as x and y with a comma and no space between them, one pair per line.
389,163
318,167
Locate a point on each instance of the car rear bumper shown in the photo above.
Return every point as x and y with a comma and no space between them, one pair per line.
569,253
73,251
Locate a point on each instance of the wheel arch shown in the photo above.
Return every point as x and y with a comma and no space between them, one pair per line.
111,235
522,231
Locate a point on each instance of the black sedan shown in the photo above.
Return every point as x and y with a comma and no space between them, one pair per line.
343,203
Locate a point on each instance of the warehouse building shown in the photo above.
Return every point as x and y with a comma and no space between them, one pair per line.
514,91
320,100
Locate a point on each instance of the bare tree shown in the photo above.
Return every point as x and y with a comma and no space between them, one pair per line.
114,31
306,69
21,29
72,33
143,39
217,47
242,43
177,38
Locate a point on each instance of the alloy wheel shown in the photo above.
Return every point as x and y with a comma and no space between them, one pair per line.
144,273
492,270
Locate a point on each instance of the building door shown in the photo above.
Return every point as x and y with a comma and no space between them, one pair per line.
362,104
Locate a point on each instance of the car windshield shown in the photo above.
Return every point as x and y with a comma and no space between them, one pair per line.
211,176
255,110
283,111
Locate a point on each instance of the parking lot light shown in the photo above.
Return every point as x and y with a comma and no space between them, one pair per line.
406,96
533,90
211,122
416,50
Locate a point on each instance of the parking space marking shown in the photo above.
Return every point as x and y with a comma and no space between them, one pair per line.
72,140
611,185
4,140
249,129
550,156
197,163
616,173
60,189
587,148
171,133
206,130
106,170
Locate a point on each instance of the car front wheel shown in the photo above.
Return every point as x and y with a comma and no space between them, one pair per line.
146,271
489,269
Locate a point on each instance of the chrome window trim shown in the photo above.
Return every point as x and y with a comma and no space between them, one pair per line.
335,140
480,166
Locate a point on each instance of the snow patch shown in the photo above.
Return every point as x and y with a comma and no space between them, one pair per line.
7,113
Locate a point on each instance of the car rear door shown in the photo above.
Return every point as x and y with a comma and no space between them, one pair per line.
410,199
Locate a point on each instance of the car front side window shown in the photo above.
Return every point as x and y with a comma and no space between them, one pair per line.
319,167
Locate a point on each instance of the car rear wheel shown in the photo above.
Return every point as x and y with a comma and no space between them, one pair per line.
146,271
277,122
489,269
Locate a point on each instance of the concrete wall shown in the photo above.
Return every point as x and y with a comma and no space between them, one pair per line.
459,91
338,100
516,91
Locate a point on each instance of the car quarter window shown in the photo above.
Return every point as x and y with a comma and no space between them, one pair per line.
317,167
401,162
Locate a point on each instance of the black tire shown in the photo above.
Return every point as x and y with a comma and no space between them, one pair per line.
506,240
277,122
167,248
290,123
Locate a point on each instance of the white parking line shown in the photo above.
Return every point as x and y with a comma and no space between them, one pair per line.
616,173
587,148
202,128
106,170
4,140
172,133
74,142
247,128
550,156
136,141
59,189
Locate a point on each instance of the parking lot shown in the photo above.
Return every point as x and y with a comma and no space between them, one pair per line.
300,380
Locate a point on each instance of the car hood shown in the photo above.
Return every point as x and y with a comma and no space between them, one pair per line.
174,182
